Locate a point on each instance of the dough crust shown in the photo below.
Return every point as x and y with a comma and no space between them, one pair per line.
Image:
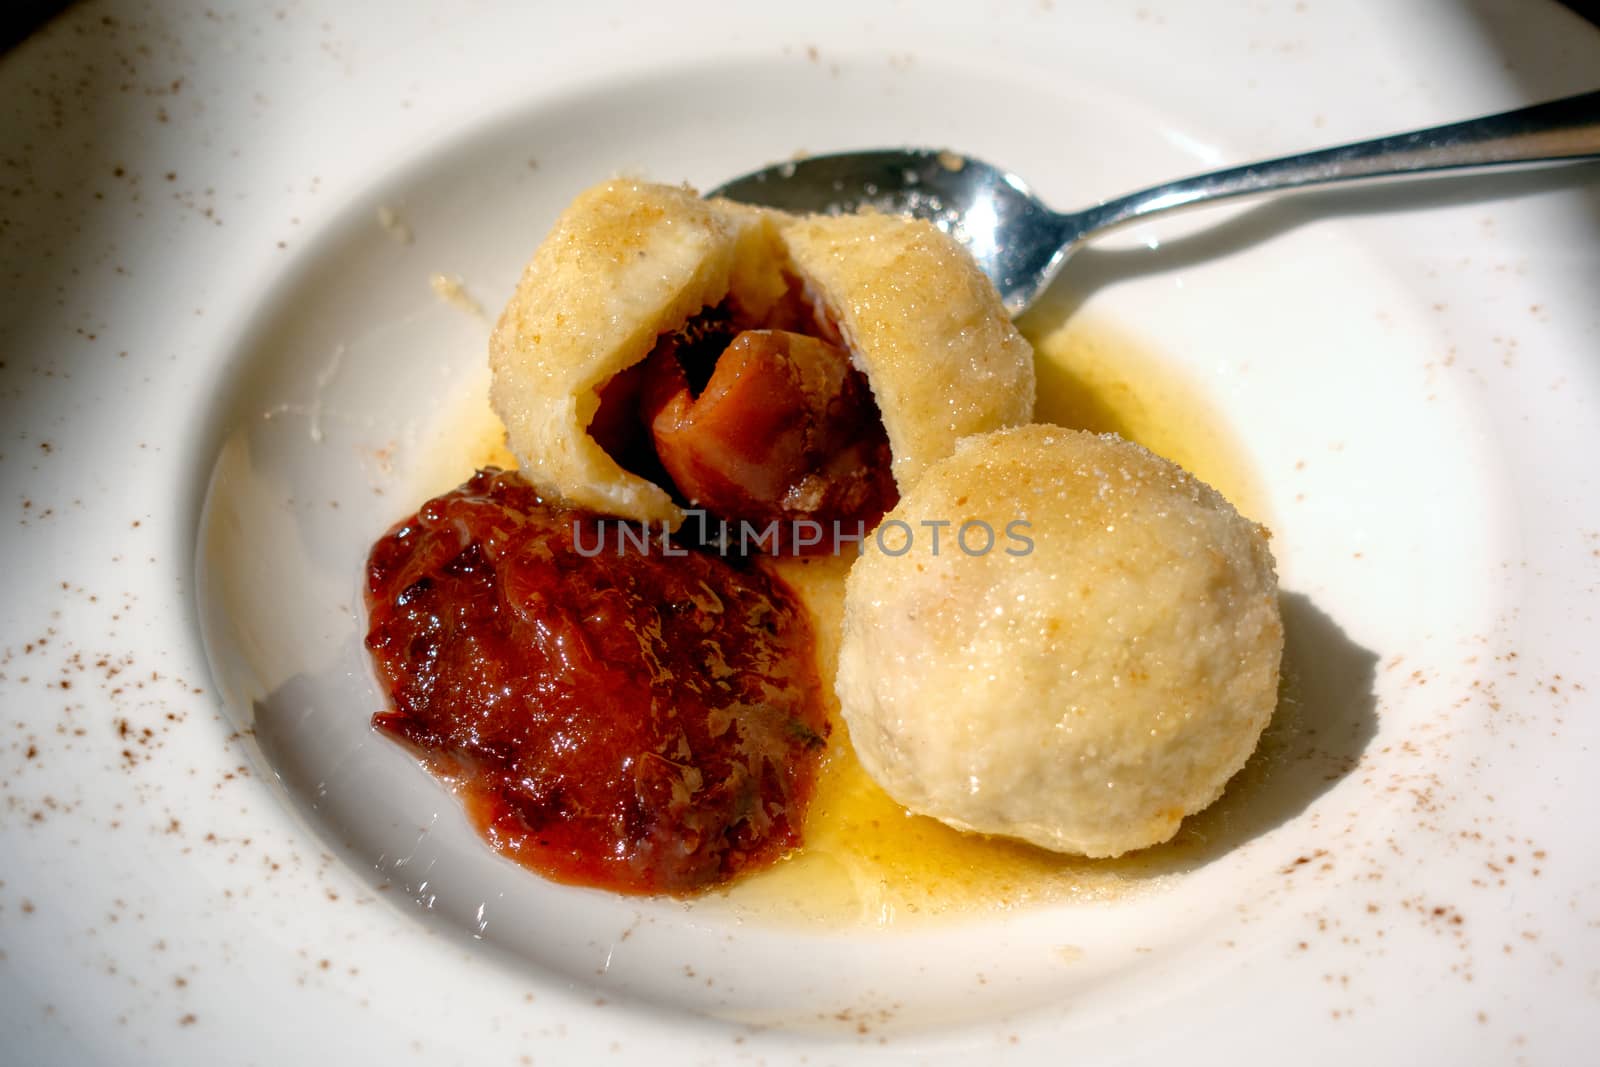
1085,695
924,324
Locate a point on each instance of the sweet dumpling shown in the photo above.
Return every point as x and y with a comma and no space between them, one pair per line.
1087,656
663,351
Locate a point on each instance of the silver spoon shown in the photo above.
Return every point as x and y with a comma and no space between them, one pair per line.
1021,244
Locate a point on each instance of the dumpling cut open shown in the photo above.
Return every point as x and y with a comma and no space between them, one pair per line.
662,351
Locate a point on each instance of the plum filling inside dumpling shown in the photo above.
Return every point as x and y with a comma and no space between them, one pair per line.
754,421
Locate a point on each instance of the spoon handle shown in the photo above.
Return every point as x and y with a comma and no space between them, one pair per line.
1565,129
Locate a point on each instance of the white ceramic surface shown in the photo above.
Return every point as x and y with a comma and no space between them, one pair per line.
222,376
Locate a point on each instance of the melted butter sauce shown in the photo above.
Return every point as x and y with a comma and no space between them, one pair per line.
867,861
471,436
1094,375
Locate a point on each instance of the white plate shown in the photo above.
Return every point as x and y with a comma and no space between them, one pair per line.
198,866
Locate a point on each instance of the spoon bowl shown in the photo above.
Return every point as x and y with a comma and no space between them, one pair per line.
1018,242
1021,244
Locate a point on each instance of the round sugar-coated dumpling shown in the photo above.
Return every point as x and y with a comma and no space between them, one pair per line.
1085,681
